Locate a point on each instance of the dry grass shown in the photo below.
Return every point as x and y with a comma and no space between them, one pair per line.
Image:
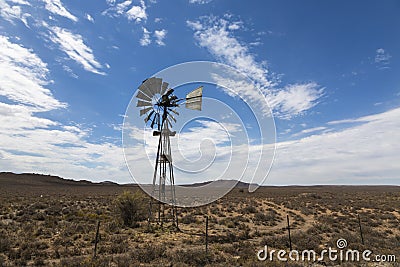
55,226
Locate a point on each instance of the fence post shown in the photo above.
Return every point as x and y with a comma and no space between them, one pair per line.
97,239
288,227
206,235
361,233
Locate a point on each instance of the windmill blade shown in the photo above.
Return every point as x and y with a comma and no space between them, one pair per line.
144,89
172,117
174,111
194,105
154,85
141,103
157,85
154,121
145,110
194,99
169,122
149,116
142,96
164,87
198,92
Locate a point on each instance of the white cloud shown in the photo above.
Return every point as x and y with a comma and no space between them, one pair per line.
137,13
160,36
64,151
10,13
216,35
23,77
56,7
70,72
295,98
30,142
15,118
201,2
145,40
382,58
21,2
74,46
117,10
315,129
309,131
89,18
235,25
363,154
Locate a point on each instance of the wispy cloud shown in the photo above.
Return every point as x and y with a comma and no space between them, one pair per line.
57,8
23,77
362,153
30,142
145,40
89,18
217,36
117,10
382,58
73,45
309,131
201,2
295,99
21,2
366,153
214,34
160,36
14,12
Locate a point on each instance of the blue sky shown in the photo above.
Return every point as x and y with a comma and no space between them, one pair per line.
327,68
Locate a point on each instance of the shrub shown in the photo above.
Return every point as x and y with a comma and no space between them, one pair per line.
192,256
131,208
248,209
188,219
149,252
4,242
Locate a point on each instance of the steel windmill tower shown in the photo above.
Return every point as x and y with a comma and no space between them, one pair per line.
158,104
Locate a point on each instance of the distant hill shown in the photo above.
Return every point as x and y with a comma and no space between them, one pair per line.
33,179
10,180
221,183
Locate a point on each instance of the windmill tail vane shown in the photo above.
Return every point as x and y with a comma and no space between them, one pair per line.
158,104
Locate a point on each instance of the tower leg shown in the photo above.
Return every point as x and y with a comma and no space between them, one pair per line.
164,173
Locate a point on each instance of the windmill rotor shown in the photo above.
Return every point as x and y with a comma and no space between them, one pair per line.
157,102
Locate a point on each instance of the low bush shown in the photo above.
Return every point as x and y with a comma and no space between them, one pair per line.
131,208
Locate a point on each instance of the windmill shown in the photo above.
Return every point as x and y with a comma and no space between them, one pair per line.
158,104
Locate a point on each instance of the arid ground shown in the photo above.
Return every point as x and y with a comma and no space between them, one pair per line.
49,221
